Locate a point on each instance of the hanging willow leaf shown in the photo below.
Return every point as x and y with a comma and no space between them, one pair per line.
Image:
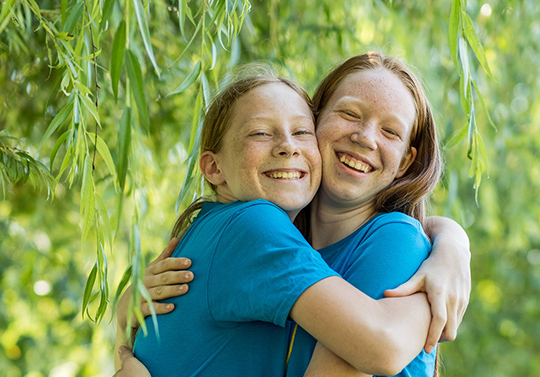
474,42
189,80
453,29
460,135
88,203
137,88
73,18
4,15
104,152
117,56
124,144
143,26
59,120
107,10
88,288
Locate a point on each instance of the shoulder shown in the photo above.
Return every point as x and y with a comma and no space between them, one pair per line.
396,221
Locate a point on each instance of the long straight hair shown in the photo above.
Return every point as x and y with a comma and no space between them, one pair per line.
408,193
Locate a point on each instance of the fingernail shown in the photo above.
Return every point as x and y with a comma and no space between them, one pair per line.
181,288
186,262
186,275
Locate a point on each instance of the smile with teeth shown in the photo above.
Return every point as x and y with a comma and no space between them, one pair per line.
284,175
355,164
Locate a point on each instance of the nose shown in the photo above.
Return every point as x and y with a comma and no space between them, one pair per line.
286,147
365,135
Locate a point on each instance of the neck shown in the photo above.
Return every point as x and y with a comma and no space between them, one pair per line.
331,223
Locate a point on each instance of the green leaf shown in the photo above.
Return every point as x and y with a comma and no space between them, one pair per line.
73,18
123,282
90,106
102,210
104,152
58,120
189,80
484,107
205,90
117,56
137,88
57,145
474,42
182,4
124,144
88,203
107,10
453,28
143,26
460,135
88,288
5,14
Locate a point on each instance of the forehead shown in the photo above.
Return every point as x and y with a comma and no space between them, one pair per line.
377,87
272,100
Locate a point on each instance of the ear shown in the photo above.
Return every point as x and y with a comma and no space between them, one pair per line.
406,162
209,164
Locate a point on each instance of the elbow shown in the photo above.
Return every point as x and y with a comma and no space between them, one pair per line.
388,356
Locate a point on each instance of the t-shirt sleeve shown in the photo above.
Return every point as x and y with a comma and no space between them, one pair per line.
391,253
261,266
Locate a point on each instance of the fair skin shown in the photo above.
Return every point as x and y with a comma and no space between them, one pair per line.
332,310
380,152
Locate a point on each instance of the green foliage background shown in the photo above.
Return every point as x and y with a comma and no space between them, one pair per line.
58,227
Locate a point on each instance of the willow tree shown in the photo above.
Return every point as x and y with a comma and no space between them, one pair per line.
103,100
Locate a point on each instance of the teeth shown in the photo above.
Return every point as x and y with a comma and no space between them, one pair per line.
355,165
285,175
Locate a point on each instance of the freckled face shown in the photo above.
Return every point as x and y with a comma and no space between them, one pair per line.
364,132
270,149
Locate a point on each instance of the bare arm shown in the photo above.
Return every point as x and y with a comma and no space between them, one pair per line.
325,363
378,337
445,277
129,365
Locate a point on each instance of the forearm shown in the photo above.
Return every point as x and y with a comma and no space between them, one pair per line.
377,337
440,229
326,363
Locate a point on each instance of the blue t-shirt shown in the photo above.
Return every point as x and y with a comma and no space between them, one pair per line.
251,264
382,254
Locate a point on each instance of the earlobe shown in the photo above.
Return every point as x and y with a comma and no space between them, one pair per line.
209,164
406,162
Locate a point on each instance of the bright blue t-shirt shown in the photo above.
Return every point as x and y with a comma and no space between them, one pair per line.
382,254
251,264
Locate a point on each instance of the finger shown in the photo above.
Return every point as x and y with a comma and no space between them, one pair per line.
452,311
406,289
168,251
168,264
163,292
438,322
125,353
159,307
168,278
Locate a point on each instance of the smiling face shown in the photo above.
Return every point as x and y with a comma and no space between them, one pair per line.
269,150
364,132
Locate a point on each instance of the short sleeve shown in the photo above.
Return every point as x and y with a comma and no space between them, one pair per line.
261,266
391,252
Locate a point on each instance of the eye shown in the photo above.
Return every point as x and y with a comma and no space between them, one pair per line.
304,132
351,114
260,133
392,132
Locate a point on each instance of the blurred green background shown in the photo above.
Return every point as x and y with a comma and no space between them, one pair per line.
44,266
